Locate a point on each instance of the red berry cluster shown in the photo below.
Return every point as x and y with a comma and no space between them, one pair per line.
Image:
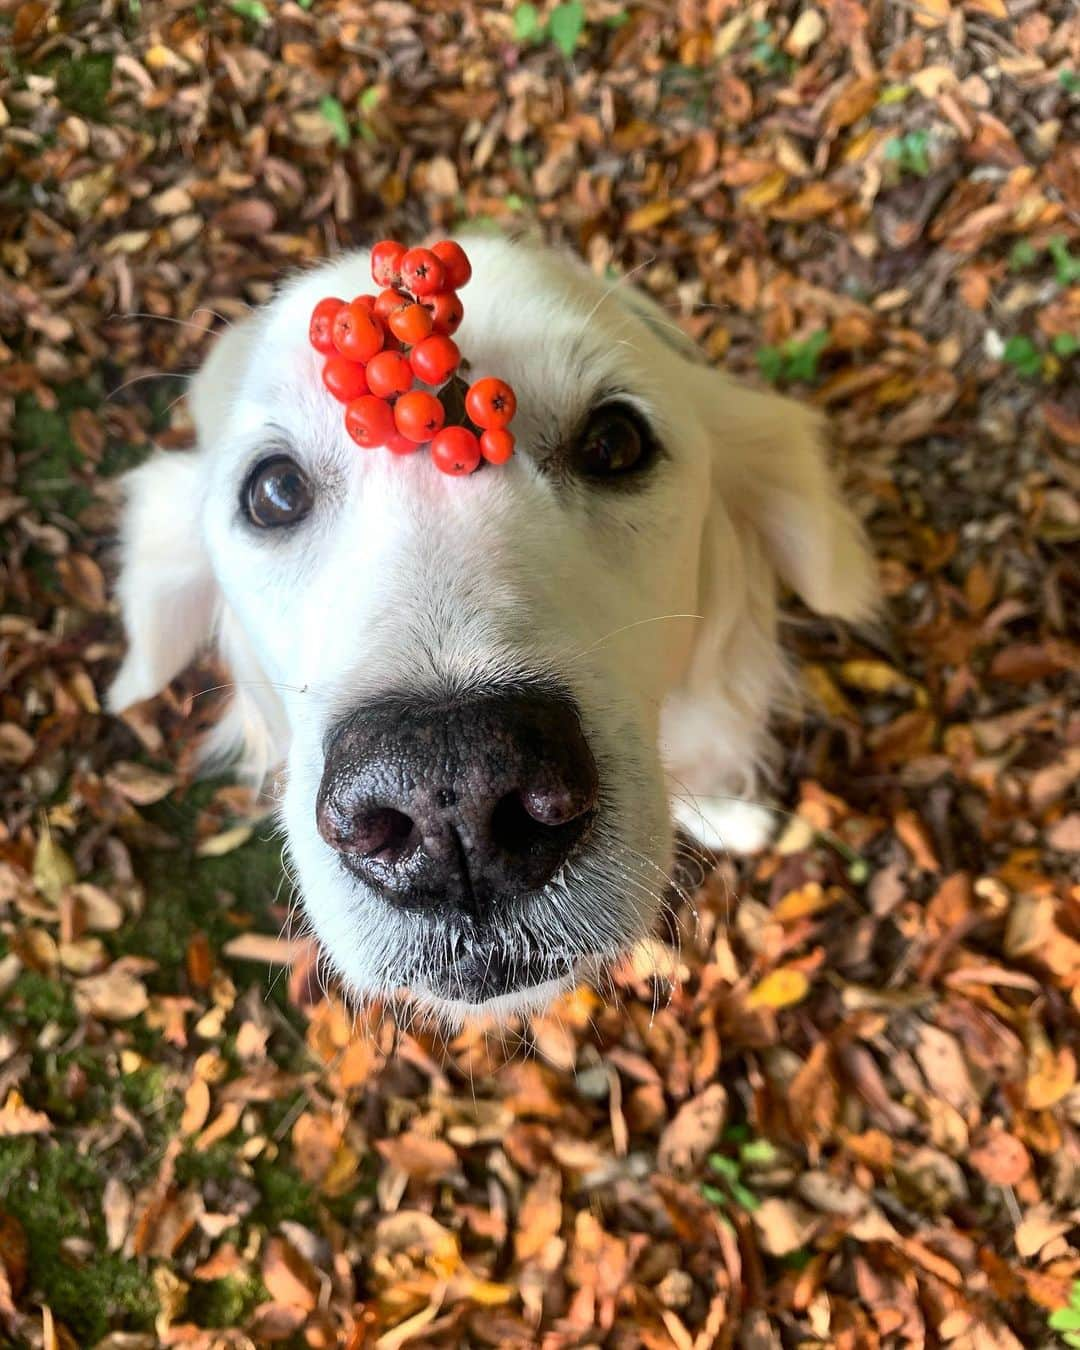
378,347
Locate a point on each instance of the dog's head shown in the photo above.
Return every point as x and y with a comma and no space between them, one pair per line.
473,682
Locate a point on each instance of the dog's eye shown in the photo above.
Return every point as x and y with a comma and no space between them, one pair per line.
615,441
277,493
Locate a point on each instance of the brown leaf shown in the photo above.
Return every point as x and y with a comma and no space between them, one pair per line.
82,581
419,1157
855,100
540,1215
115,995
246,218
17,1118
1001,1158
694,1132
1064,834
16,745
288,1276
138,784
14,1252
783,1226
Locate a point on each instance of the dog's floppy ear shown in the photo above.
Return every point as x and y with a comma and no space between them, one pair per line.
166,590
168,597
770,469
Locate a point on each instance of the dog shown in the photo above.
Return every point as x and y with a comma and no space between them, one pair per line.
487,691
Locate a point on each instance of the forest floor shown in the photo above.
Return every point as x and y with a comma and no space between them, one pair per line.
854,1120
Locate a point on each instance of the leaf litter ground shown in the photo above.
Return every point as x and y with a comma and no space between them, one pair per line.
843,1110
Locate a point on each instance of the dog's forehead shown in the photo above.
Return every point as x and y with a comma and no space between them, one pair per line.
533,316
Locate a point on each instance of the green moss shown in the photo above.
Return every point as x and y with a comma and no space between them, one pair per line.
51,459
226,1303
283,1195
144,1091
83,83
41,1184
182,890
217,1163
34,1000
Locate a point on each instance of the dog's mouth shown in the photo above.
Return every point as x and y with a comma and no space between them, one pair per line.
484,966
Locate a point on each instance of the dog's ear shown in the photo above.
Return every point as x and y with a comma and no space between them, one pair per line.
770,469
775,510
168,597
166,589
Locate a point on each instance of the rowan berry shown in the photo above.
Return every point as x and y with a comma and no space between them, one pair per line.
435,359
490,403
369,421
456,451
345,379
411,324
320,331
418,415
422,273
497,445
389,374
456,265
446,311
386,259
357,334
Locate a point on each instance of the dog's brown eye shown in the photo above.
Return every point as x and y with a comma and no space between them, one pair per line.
277,493
615,441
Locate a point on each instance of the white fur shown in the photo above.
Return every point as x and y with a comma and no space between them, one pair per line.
657,608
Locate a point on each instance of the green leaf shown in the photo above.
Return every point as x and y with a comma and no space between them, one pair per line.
527,26
1064,1319
802,357
305,4
254,10
334,113
566,25
617,20
715,1196
758,1153
744,1197
915,143
728,1168
1021,353
771,363
1066,344
1022,255
1069,81
894,148
1065,265
368,100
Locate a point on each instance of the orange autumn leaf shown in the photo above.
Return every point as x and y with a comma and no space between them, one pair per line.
1053,1076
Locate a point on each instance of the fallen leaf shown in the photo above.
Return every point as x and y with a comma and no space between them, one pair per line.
694,1132
779,989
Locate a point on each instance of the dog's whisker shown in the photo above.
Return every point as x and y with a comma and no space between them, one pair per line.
138,379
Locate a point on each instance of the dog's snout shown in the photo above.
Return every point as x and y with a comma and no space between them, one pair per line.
462,806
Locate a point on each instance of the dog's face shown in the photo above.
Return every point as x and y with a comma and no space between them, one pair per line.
471,681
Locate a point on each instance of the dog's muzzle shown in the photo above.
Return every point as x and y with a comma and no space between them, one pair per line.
459,809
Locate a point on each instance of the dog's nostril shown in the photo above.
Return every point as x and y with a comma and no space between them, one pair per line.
523,823
554,806
381,833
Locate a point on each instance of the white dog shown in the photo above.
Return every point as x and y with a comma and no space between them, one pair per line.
484,689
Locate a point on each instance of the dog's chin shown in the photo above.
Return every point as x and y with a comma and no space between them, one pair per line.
478,977
455,1007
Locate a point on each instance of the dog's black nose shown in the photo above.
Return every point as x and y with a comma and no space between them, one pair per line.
458,806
